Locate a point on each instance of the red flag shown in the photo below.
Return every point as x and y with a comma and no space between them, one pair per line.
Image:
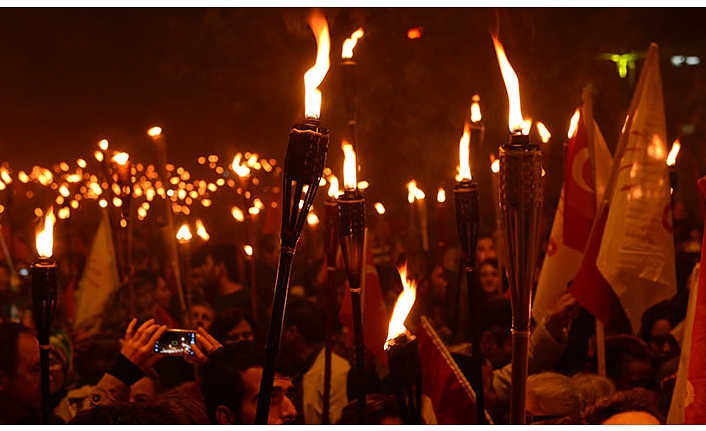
579,199
374,310
688,404
447,397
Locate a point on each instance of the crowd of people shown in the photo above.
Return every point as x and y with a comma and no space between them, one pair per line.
111,374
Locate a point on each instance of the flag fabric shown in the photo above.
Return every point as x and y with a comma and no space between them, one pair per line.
373,308
629,257
447,397
99,279
573,218
688,404
636,256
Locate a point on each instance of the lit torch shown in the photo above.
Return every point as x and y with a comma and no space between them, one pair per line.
351,219
521,199
672,165
44,292
184,236
467,221
303,168
402,355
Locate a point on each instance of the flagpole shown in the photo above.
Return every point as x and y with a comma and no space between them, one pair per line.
587,118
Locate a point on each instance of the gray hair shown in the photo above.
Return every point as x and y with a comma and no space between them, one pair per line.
556,394
592,387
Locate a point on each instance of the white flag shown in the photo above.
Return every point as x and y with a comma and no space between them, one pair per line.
636,255
100,278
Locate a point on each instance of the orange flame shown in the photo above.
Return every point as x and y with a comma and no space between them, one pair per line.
350,180
544,133
45,237
184,234
154,131
475,109
441,195
314,76
350,43
201,230
413,192
516,121
672,156
464,154
380,208
403,306
333,190
574,123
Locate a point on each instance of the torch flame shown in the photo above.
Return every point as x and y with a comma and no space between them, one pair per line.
672,156
543,132
516,121
248,250
121,158
441,195
350,181
380,208
475,109
241,170
201,230
349,44
45,237
402,307
314,76
464,154
495,166
333,191
413,192
184,234
103,144
574,123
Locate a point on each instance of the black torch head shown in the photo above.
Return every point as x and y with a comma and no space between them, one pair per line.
303,168
467,217
351,216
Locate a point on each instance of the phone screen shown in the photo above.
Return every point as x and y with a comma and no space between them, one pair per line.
175,342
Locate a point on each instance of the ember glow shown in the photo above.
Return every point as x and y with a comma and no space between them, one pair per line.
516,121
350,43
402,307
314,76
45,237
464,155
672,156
350,181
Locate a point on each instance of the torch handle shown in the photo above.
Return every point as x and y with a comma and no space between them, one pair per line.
274,333
328,343
359,351
474,301
520,356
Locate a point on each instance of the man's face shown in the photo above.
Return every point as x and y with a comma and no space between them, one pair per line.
636,374
202,317
26,384
282,410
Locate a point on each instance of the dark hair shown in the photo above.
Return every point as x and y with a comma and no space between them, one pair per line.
377,407
308,318
221,376
228,319
632,400
621,348
9,337
662,310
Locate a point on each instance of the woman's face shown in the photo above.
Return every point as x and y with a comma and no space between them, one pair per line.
489,278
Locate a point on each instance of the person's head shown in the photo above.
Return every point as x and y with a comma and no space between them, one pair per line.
628,361
592,387
147,388
489,277
268,249
60,359
231,326
202,315
495,339
380,409
220,264
230,383
128,413
552,398
303,325
657,323
485,247
20,372
632,407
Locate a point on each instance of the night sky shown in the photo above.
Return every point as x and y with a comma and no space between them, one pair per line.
227,80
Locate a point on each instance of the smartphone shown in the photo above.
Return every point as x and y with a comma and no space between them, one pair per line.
176,342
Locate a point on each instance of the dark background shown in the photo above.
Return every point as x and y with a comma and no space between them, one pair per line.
219,81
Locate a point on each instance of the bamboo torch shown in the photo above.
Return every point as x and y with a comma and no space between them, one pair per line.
521,198
303,168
